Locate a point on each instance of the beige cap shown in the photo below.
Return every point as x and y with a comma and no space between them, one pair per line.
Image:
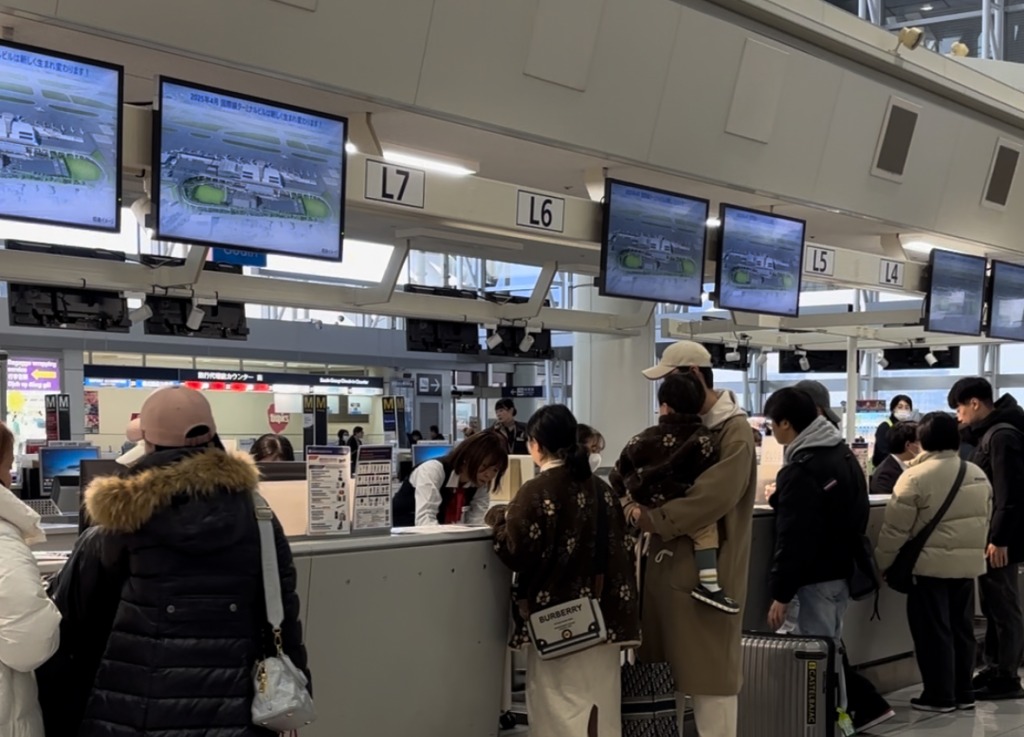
682,354
168,416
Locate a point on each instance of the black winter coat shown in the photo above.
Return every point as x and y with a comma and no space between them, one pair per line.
821,510
163,606
1000,454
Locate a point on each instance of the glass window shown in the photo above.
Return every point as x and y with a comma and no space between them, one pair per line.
1013,36
922,11
364,262
1011,359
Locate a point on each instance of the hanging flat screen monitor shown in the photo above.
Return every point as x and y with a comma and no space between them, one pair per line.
245,173
1006,302
760,260
653,247
60,139
956,293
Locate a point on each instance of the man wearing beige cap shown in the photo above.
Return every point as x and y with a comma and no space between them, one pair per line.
701,644
171,573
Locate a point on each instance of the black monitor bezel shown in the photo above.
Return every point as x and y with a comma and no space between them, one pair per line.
157,176
605,226
721,245
935,252
990,294
119,146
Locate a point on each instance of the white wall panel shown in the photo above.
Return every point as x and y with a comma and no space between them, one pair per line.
845,179
691,135
477,52
373,47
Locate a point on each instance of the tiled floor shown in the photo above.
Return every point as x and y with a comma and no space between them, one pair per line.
1005,719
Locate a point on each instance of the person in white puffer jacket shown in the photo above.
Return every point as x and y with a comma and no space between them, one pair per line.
29,621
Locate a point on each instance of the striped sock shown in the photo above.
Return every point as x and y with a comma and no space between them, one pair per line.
707,566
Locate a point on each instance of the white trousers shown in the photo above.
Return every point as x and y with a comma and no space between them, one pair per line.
562,693
715,716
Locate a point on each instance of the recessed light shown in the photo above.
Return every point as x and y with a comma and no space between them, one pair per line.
927,8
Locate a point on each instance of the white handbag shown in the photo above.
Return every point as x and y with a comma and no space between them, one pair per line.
281,702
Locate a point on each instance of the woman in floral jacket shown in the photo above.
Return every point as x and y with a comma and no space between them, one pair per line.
564,534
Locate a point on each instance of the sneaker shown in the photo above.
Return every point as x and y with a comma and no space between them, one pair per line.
1000,689
717,599
982,679
964,705
867,724
922,705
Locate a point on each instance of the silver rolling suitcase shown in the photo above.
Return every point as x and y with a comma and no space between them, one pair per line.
790,686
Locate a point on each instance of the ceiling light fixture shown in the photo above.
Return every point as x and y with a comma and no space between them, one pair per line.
713,222
734,355
919,247
452,167
883,362
927,8
195,317
494,340
762,360
351,148
931,359
526,343
910,38
959,50
804,362
141,314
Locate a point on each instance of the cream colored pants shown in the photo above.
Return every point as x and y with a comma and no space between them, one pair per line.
562,693
715,716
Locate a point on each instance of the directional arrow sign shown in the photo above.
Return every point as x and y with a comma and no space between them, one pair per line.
38,374
428,385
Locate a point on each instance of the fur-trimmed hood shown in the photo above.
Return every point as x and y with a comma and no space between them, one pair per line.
127,503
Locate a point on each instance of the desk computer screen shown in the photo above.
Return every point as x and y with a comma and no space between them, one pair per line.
55,462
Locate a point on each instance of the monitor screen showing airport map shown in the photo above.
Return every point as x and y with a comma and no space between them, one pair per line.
1006,308
243,173
956,293
760,261
653,245
60,135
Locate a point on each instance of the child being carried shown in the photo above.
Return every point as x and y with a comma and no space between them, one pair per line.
664,461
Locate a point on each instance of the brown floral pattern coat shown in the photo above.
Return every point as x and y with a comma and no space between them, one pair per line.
549,536
664,461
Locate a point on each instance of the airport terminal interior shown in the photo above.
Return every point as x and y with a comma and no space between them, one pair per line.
370,228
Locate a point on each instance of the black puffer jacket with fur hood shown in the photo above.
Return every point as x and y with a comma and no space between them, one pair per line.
163,606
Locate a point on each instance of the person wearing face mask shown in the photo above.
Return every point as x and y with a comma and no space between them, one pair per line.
905,448
454,489
593,441
901,409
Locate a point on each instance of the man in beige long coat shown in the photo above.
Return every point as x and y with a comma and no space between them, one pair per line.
701,644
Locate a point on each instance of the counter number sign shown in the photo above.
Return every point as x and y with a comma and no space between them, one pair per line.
820,261
540,211
891,273
395,185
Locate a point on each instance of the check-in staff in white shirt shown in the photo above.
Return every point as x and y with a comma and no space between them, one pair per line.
455,489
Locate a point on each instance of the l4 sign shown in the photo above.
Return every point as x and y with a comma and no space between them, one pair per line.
278,421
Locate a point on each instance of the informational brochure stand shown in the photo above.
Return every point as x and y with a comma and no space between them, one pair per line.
329,476
372,509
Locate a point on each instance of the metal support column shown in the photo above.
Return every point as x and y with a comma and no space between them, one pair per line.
852,389
986,30
998,29
874,11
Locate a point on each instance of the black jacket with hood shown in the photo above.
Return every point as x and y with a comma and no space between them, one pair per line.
821,510
999,451
163,607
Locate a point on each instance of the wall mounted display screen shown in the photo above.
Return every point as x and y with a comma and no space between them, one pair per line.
60,139
1006,303
653,246
760,260
245,173
956,293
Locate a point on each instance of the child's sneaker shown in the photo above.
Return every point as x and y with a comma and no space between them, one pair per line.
717,599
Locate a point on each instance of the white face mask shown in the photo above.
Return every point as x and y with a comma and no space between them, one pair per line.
595,462
903,415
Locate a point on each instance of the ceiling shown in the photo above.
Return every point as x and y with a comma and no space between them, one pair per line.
501,157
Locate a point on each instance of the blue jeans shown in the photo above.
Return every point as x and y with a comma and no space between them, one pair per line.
820,609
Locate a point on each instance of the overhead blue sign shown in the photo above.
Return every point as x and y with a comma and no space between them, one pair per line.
239,258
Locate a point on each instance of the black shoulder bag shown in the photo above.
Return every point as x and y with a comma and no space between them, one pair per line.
900,575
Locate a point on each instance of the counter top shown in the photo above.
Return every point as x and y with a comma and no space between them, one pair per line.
411,538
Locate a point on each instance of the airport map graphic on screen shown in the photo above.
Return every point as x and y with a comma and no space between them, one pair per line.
1007,306
246,174
759,263
956,294
59,142
655,245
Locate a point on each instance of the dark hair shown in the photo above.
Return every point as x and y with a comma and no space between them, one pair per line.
902,434
793,405
556,431
356,430
506,404
272,447
682,393
894,402
435,429
938,431
970,388
342,434
586,435
477,452
415,435
7,440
